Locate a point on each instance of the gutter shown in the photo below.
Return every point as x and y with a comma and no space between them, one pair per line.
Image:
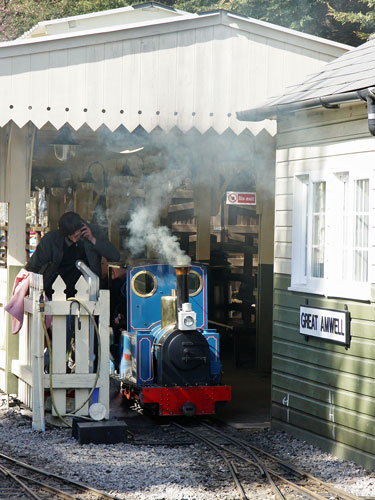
330,102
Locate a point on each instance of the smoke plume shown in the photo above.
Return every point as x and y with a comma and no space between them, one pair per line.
145,231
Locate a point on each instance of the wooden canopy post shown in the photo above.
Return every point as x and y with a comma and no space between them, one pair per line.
202,207
17,192
56,206
265,192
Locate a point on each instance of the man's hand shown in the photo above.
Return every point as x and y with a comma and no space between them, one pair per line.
86,233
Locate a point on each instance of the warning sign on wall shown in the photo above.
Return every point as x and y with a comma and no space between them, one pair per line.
234,198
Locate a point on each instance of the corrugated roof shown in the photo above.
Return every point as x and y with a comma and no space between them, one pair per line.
349,73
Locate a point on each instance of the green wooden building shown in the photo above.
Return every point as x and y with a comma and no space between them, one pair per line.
323,361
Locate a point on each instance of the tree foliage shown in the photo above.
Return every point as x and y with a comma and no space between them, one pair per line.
346,21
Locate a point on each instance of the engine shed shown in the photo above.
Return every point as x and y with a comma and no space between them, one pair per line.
110,111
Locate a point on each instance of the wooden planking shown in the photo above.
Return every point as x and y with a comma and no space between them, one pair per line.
185,80
20,85
241,64
361,385
325,358
260,64
316,382
283,266
112,85
149,99
6,91
334,132
221,77
95,93
131,83
58,87
277,68
283,234
165,80
203,82
319,117
328,411
339,433
359,347
76,79
340,450
324,393
283,250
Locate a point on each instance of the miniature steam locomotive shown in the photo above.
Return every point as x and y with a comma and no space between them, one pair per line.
169,358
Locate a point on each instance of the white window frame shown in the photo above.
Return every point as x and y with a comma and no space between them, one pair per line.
332,284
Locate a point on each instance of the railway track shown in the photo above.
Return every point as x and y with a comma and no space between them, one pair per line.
21,481
251,467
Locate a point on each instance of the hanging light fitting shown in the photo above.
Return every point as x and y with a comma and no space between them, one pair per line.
65,147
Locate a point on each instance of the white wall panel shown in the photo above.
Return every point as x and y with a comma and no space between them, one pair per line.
131,82
282,266
5,90
203,81
222,77
95,85
185,80
112,85
77,86
20,83
149,99
166,78
192,73
58,95
283,250
39,91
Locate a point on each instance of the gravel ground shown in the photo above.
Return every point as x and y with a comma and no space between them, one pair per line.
190,472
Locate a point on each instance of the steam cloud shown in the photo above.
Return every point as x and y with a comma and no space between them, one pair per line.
144,228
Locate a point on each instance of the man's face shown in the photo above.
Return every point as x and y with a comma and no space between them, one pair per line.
76,236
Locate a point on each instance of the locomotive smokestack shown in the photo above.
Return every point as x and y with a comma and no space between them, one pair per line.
182,274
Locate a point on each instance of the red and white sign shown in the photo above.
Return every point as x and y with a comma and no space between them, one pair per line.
234,198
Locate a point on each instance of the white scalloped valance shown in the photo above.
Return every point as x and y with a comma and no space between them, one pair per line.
185,72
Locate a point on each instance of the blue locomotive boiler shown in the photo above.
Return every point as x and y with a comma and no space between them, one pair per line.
169,358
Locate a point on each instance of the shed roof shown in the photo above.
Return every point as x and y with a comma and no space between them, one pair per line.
338,81
175,70
106,18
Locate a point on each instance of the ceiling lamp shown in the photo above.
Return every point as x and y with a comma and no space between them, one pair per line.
126,172
64,145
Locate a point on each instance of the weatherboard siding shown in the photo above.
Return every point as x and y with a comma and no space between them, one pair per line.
322,392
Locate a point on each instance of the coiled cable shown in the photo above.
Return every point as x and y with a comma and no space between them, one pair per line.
60,416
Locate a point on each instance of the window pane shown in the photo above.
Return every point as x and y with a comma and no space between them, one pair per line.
306,192
318,229
345,229
361,230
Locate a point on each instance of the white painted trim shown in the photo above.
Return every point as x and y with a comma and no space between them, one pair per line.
103,13
293,33
187,21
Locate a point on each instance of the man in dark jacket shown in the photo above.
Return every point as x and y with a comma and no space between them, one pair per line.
59,249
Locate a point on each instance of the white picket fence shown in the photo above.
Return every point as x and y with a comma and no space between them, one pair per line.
29,368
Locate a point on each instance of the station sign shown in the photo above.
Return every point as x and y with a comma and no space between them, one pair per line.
236,198
330,325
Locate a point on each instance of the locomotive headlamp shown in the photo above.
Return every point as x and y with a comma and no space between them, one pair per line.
187,318
188,321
